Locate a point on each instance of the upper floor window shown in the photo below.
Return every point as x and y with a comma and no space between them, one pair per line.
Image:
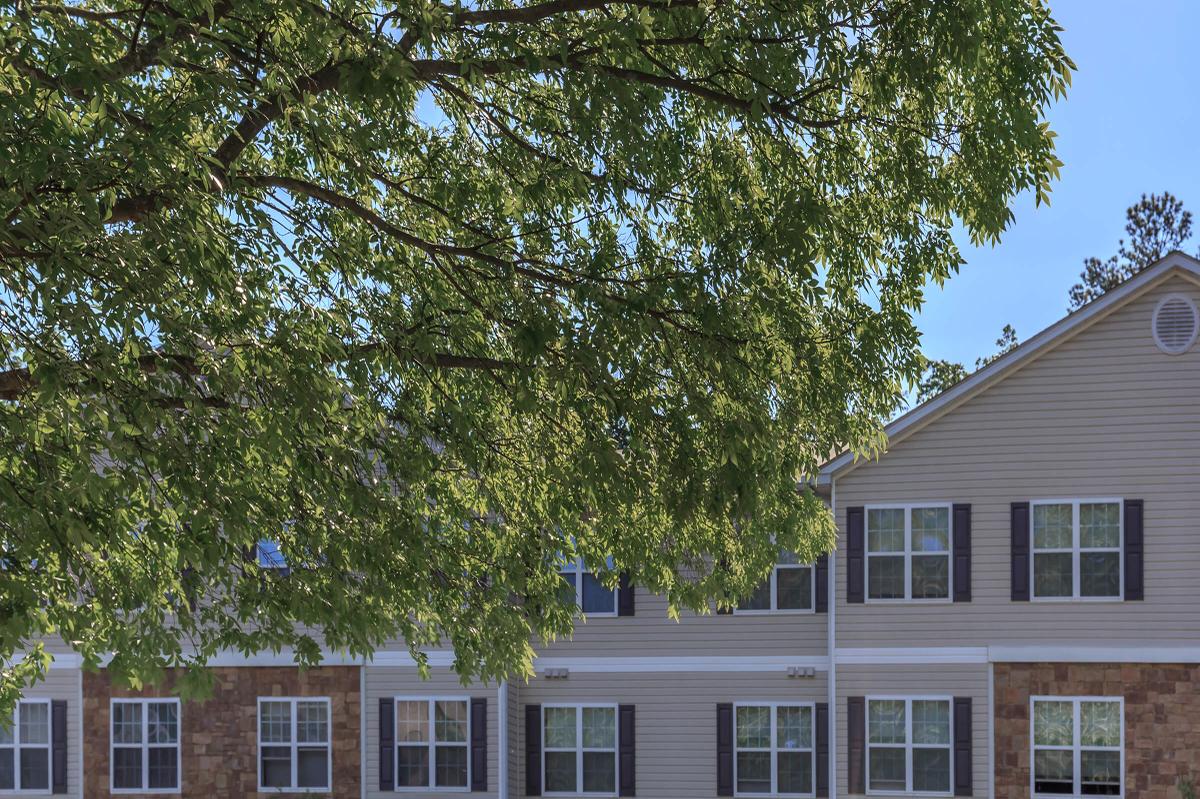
1076,549
145,745
790,587
431,743
25,747
590,594
293,744
270,556
774,749
908,552
909,745
580,752
1077,746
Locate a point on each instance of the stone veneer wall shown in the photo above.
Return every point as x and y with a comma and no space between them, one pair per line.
1162,720
219,735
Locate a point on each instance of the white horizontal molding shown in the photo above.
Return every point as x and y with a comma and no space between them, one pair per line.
1128,653
764,663
902,655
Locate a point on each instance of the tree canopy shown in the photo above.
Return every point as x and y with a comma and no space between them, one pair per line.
435,294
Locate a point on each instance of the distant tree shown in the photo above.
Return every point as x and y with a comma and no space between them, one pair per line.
1005,344
937,377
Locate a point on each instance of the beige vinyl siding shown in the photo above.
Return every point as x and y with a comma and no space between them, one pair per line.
676,719
388,682
65,684
1105,414
916,680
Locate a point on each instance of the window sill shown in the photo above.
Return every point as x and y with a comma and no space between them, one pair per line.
779,612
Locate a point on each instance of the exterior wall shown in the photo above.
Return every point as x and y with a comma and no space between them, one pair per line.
676,727
219,735
385,682
1162,740
65,684
916,680
1104,414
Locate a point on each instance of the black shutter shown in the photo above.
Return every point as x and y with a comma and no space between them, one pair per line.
533,750
856,735
1134,549
479,739
627,746
821,584
624,596
723,565
387,743
725,749
1020,552
58,747
822,737
856,561
963,780
962,553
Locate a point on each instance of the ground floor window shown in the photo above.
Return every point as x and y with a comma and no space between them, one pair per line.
1077,746
580,752
431,743
293,743
774,749
25,747
145,744
909,745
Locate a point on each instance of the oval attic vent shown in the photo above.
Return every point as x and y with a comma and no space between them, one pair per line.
1175,324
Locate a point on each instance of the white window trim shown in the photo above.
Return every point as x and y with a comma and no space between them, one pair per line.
295,746
908,745
908,554
775,749
1075,550
431,745
16,746
577,567
774,579
145,746
579,748
1075,748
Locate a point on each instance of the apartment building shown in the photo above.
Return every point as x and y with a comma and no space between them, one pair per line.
1007,614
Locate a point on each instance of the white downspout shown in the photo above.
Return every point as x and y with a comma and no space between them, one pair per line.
502,744
832,647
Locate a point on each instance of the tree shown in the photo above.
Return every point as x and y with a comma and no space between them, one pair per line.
1005,344
938,376
1156,224
433,295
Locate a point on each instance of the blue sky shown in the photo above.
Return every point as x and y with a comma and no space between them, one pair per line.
1130,124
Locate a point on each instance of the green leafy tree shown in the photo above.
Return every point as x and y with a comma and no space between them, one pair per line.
939,376
1007,342
432,294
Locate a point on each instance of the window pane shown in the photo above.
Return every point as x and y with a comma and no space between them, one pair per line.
35,723
931,530
754,727
6,730
1100,524
600,772
793,588
413,768
163,721
754,772
451,771
793,727
885,530
312,767
931,721
568,588
1052,575
1052,526
930,576
597,598
450,722
760,599
599,728
931,770
35,769
412,722
795,772
1100,723
275,721
560,772
1100,574
8,774
1053,771
312,722
886,721
1053,723
126,723
885,577
164,767
560,727
270,556
1100,773
276,767
887,770
127,768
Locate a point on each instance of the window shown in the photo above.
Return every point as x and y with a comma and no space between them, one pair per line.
790,587
1077,746
908,745
270,556
1077,549
590,594
908,552
431,743
773,749
579,754
145,745
293,744
25,747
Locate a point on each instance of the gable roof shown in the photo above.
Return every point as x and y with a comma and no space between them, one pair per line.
1174,263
